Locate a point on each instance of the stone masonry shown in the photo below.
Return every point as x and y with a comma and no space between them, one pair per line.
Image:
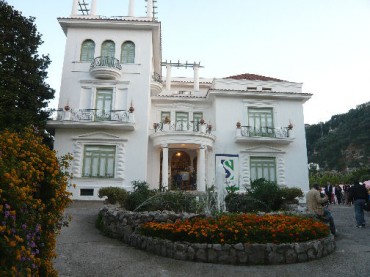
122,225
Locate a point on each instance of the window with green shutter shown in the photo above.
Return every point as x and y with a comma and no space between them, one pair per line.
197,116
182,121
128,52
99,161
104,98
263,167
87,51
260,121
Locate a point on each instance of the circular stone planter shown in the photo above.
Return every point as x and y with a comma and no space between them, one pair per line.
122,225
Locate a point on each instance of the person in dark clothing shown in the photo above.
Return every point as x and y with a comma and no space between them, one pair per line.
338,194
358,194
328,192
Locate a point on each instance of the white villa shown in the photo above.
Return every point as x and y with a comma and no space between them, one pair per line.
124,117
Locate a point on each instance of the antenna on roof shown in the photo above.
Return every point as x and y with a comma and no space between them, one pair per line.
154,8
83,7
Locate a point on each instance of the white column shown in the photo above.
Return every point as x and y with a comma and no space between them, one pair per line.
168,77
201,174
131,8
75,8
196,77
93,7
165,166
149,9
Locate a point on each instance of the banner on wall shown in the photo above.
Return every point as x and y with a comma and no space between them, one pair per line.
227,168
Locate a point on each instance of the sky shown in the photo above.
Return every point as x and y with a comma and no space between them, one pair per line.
324,44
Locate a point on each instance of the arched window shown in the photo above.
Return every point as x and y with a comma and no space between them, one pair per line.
87,51
128,52
108,49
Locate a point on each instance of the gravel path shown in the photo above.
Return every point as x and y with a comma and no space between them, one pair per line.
83,251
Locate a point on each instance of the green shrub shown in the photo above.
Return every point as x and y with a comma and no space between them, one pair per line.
262,196
138,196
114,195
177,201
290,195
267,192
243,203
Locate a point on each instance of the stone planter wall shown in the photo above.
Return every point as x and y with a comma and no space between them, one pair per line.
122,225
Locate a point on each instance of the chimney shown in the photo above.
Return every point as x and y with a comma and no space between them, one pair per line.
196,76
131,8
149,9
93,8
168,77
75,8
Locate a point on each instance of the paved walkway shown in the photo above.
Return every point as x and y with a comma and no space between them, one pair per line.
83,251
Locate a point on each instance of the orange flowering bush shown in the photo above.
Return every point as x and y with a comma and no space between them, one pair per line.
33,195
235,228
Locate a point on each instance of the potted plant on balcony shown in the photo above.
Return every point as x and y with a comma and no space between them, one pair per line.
290,130
166,124
209,128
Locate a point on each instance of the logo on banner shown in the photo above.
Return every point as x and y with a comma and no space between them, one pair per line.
228,166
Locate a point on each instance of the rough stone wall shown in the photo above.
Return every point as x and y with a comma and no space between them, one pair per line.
122,225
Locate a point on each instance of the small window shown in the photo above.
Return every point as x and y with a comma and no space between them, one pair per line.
251,88
86,192
128,52
87,51
266,89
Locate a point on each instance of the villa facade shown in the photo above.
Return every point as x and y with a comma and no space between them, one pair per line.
124,117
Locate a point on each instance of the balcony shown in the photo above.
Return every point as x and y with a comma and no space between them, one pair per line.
105,68
181,132
93,118
282,135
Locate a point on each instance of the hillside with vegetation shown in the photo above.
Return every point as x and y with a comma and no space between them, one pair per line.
343,142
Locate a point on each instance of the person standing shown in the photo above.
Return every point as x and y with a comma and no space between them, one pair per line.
338,194
329,191
358,194
346,195
315,204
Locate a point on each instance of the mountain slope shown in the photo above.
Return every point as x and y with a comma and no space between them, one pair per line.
341,143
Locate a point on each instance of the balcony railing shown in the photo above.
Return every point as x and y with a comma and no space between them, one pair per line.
106,61
87,115
105,68
183,127
249,131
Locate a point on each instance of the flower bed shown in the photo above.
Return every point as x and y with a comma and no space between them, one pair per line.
237,247
239,228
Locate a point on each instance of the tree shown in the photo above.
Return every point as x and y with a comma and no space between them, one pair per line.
24,95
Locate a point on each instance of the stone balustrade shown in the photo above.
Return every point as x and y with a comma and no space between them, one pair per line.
122,225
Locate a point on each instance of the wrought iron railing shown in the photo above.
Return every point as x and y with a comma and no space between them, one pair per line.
183,127
92,115
249,131
106,61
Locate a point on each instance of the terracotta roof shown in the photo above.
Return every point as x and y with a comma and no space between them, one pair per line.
248,76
